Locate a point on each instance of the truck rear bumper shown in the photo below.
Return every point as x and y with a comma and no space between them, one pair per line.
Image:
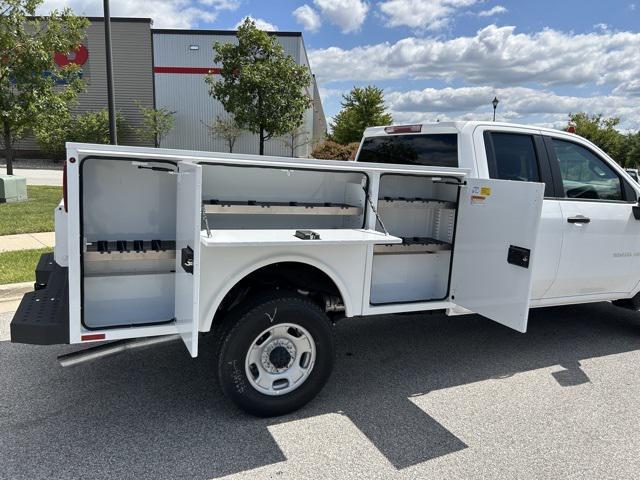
43,315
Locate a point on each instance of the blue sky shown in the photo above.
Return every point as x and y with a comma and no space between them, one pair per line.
445,59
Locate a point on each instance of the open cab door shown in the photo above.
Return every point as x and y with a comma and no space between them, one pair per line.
187,278
495,239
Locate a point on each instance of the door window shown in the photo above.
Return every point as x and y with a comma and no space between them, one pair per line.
514,158
584,175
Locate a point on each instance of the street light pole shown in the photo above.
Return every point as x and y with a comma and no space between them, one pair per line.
113,133
495,102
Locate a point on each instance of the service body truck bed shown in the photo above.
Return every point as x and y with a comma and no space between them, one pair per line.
265,252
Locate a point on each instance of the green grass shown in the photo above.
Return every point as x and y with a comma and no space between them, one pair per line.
19,266
34,215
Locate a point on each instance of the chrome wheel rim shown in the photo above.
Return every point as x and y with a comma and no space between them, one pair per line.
280,359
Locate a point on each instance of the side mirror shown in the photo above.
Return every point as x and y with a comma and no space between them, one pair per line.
636,210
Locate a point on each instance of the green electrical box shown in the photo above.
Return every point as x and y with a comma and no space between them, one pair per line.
12,189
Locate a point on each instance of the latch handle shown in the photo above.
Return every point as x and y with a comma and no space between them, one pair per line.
187,259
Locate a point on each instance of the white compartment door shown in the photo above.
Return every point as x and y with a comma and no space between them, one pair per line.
188,218
495,239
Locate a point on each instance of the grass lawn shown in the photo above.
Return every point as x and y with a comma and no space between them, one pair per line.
34,215
19,266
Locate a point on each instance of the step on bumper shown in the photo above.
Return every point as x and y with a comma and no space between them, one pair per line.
43,315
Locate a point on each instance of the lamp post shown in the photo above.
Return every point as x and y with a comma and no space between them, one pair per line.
111,101
495,102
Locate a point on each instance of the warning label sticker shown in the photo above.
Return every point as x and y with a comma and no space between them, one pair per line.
485,191
478,199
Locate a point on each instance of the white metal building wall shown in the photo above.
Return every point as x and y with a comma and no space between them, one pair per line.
181,59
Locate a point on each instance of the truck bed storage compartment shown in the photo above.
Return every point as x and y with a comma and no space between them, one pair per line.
128,226
276,198
422,211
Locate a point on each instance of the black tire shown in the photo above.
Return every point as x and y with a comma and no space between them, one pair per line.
241,328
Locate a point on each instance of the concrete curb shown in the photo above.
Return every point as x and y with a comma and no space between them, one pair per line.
11,294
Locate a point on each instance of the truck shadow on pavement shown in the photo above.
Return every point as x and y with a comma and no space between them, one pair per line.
156,413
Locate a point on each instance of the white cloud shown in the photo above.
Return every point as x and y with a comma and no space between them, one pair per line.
349,15
165,13
495,55
420,14
518,104
260,24
498,9
307,17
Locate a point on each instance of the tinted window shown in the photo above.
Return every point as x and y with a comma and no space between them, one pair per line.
514,158
585,175
438,150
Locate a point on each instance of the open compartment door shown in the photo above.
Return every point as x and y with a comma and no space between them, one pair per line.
495,239
188,223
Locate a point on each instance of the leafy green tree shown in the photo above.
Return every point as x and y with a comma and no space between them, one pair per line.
361,108
261,86
227,129
156,123
601,131
28,73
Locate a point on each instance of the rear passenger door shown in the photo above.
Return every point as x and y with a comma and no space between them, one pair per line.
601,240
521,156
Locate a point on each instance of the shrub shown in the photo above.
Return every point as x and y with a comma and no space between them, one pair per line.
53,132
330,150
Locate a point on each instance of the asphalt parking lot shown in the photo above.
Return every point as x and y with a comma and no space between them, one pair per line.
412,396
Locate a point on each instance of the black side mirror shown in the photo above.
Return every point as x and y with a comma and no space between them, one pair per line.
636,210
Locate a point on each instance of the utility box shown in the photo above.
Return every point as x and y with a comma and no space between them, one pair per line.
12,189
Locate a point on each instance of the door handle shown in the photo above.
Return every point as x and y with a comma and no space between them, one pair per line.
187,259
578,219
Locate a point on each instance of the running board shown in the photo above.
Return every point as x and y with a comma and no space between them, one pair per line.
113,348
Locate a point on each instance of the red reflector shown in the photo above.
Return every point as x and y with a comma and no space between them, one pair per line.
403,129
93,336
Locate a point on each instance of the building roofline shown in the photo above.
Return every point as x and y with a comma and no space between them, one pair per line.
179,31
100,19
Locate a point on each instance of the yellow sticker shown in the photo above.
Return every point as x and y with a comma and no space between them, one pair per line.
486,191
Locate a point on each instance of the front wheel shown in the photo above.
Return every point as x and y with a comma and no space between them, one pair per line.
276,355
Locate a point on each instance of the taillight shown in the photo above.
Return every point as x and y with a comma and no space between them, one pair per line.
64,186
403,129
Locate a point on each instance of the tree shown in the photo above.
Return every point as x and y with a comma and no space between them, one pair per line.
361,108
227,129
601,131
156,123
28,73
261,86
295,139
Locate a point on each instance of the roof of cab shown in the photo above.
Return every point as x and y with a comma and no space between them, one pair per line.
451,127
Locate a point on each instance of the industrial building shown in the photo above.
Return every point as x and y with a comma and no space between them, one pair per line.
166,68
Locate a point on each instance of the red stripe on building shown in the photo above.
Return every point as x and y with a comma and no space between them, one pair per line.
192,70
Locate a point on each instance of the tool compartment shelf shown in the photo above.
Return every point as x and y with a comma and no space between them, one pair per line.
413,245
126,250
415,202
278,208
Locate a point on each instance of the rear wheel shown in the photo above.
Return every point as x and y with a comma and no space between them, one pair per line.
276,355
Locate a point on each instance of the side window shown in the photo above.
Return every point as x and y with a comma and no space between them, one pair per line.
584,175
514,157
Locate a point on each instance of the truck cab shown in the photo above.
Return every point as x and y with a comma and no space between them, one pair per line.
589,238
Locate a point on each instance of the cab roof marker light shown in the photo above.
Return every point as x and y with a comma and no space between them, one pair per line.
403,129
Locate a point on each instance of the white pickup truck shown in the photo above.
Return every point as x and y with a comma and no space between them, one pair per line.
266,253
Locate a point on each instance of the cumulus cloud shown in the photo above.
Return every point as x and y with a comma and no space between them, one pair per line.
349,15
497,10
260,24
494,55
518,104
307,17
165,13
421,15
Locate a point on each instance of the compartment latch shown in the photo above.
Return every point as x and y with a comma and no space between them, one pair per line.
519,256
187,259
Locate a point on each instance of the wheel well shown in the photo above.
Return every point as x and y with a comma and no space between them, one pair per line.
301,277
